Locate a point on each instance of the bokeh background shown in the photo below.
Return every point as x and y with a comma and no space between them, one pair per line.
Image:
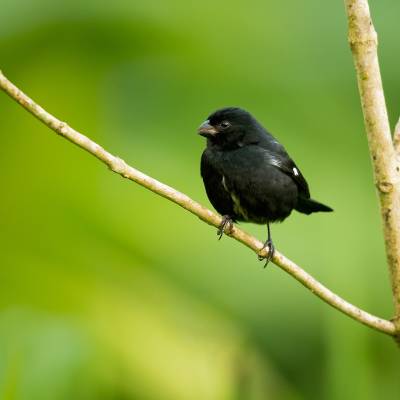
110,292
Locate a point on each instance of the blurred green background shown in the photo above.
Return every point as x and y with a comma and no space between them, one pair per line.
110,292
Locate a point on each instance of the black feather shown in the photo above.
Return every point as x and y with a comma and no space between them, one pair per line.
308,206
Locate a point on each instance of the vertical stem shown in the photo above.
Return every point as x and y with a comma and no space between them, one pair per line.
363,42
396,139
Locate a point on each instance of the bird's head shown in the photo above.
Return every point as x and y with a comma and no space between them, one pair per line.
230,127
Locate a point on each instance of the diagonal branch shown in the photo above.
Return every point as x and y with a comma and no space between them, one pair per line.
122,168
363,42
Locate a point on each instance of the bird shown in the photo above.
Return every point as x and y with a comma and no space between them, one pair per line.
249,176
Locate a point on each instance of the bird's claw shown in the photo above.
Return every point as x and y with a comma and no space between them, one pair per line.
225,226
269,245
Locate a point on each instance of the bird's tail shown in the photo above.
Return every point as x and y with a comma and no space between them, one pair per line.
308,206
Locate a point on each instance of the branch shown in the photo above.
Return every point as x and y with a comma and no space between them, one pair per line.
363,42
119,166
396,139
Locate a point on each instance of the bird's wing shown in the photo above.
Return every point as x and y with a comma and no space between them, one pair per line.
291,169
280,159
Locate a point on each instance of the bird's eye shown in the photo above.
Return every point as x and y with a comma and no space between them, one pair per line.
224,124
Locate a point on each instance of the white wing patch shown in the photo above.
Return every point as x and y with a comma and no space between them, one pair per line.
295,171
272,160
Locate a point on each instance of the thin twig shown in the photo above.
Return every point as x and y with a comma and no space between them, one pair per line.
364,43
119,166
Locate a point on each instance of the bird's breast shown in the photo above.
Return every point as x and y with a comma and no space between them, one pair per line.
242,212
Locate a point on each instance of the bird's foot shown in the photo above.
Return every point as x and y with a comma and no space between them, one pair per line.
225,226
269,245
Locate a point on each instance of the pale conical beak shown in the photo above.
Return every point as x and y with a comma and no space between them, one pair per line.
207,130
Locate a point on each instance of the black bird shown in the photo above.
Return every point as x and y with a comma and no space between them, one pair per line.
248,175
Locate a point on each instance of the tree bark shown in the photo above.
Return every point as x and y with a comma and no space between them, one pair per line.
364,44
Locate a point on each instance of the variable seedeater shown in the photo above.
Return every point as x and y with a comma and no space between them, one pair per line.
248,175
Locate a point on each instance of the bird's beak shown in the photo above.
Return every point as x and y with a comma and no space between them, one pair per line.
207,130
